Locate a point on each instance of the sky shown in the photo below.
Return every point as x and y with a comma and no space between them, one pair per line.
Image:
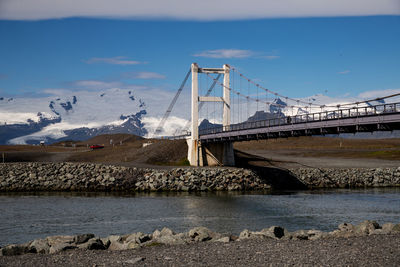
297,48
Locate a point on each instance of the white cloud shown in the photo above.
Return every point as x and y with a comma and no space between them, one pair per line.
193,10
344,72
96,84
17,117
271,57
112,60
236,53
173,126
225,53
144,75
378,93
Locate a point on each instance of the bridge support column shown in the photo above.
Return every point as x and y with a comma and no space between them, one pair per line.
194,142
209,154
217,154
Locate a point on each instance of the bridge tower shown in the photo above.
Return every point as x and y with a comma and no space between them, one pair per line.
215,153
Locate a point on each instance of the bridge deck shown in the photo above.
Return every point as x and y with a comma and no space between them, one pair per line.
366,119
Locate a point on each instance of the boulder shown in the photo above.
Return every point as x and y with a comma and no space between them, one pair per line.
166,231
116,245
61,247
132,245
39,246
396,228
59,239
13,250
93,244
201,234
106,241
114,238
166,236
346,227
225,239
156,234
388,227
137,237
244,234
315,234
80,239
276,232
366,227
115,242
300,235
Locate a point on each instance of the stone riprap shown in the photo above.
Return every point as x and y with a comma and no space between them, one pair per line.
55,244
98,177
347,177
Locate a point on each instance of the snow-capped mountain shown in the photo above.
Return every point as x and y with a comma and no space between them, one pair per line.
79,116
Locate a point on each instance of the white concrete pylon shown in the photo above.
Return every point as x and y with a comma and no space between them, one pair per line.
226,117
194,151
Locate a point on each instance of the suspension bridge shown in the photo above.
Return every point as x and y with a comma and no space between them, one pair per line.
240,109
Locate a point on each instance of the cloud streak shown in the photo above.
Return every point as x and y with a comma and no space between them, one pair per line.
235,53
145,75
344,72
95,85
225,53
378,93
193,10
112,60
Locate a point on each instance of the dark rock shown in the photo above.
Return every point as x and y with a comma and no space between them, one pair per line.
13,250
274,232
79,239
93,244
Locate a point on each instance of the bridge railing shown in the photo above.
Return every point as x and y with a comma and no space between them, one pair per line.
352,112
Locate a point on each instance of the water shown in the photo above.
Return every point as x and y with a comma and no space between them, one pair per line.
26,216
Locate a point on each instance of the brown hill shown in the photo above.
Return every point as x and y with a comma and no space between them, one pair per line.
105,139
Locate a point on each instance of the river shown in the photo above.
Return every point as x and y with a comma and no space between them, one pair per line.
27,216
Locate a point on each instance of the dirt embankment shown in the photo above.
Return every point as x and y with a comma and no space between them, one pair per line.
295,152
125,149
323,152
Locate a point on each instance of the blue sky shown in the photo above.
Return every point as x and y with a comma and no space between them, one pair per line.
298,57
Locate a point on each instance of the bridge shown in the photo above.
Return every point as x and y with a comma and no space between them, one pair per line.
240,96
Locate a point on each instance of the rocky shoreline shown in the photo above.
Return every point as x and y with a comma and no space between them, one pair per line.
56,244
98,177
37,176
347,177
